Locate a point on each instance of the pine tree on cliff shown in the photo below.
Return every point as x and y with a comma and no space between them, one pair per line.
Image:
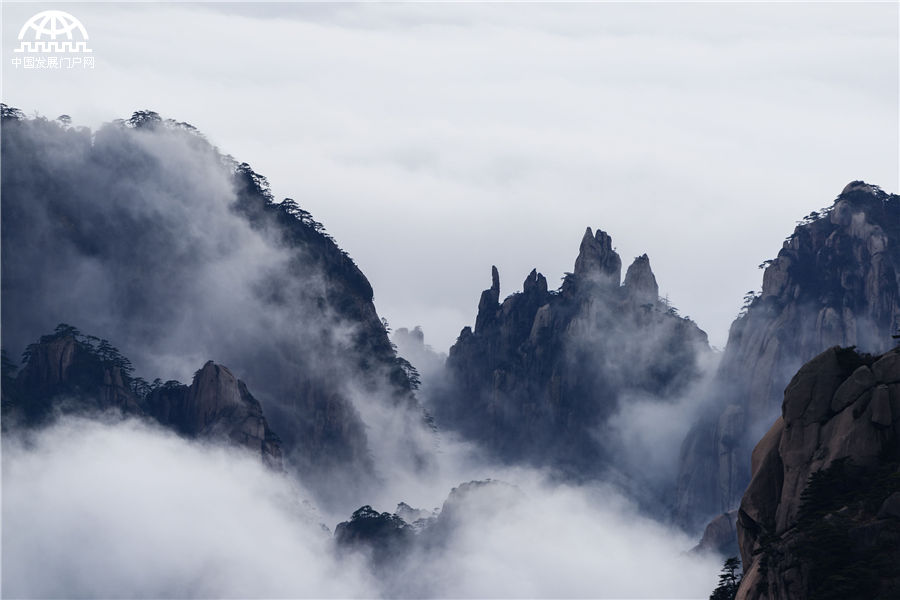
729,580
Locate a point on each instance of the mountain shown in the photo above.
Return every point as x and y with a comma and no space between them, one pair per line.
541,371
70,373
144,232
835,281
216,405
388,540
821,516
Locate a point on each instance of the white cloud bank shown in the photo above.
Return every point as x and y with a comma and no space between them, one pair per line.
120,509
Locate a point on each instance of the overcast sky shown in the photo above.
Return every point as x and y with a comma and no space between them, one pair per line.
434,140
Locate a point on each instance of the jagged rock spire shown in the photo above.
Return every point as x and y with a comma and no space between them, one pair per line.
535,282
489,303
597,259
640,283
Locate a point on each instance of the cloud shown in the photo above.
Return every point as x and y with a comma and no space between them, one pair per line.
562,542
122,509
142,244
94,509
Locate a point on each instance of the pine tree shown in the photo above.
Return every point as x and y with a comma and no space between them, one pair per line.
729,580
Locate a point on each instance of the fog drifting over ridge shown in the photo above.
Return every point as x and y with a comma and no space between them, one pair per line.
434,141
99,507
698,133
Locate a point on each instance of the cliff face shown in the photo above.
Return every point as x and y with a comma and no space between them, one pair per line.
144,231
68,373
216,405
542,370
821,517
64,374
834,282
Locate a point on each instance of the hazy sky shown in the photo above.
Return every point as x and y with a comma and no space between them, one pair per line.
434,140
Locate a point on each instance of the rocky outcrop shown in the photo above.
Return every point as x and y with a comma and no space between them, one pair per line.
542,370
216,405
834,282
64,373
597,260
383,537
640,283
819,518
720,536
70,373
388,539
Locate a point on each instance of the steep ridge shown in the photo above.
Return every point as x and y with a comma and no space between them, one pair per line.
69,373
834,282
145,232
821,517
542,370
216,405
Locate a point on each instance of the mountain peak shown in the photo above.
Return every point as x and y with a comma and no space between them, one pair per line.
535,282
861,186
597,259
640,283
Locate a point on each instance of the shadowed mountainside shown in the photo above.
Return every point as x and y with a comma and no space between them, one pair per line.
70,373
145,233
542,371
834,282
821,517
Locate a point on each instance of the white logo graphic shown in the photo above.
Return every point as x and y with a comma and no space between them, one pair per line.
53,31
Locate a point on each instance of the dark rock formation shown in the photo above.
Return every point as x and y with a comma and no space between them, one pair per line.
834,282
542,370
820,518
69,373
640,283
720,536
383,536
65,373
597,260
389,539
216,405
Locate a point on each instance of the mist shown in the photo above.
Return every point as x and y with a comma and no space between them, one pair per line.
113,508
170,265
147,241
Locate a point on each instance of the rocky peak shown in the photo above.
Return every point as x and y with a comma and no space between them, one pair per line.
489,303
529,382
597,260
835,282
535,283
640,283
72,373
216,405
215,390
821,507
855,187
67,372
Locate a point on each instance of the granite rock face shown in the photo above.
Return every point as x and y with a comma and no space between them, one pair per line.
68,373
63,375
543,369
216,405
819,518
720,536
834,282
